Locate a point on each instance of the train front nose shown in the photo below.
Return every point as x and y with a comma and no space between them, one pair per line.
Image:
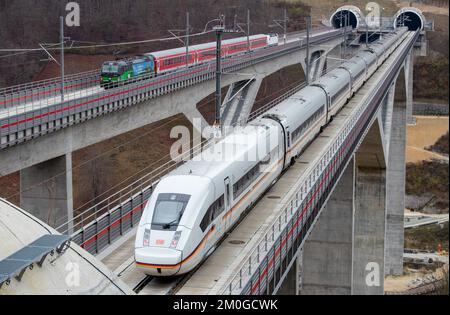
158,261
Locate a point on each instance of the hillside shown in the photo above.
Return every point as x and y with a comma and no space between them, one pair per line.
105,22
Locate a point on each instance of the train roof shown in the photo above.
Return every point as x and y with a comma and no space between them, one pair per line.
181,50
334,80
355,65
309,99
232,152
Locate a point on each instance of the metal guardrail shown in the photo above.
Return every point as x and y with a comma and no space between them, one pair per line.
40,90
272,257
19,126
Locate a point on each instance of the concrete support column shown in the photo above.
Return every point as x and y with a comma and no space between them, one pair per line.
46,190
409,76
369,231
327,254
290,283
388,108
239,101
318,60
395,201
369,220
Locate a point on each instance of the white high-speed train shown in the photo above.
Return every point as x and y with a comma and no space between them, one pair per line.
192,207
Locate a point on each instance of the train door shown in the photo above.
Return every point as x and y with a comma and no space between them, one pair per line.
288,144
227,203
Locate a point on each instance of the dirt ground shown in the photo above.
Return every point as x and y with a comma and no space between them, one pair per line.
424,134
402,283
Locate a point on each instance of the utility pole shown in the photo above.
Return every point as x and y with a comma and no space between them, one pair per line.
345,36
367,35
248,31
285,25
219,32
381,21
308,31
238,28
187,38
61,19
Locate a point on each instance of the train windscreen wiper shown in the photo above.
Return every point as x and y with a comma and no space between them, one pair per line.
169,225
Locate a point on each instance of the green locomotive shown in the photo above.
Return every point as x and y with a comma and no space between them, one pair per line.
114,72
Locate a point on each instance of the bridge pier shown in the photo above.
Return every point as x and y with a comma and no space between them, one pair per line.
409,77
369,214
327,253
344,253
46,191
396,173
369,231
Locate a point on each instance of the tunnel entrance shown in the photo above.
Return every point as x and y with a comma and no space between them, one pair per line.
338,19
410,19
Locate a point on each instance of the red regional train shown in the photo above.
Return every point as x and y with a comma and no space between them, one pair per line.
164,61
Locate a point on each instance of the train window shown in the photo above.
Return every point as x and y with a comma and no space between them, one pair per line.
239,46
302,129
339,93
209,53
213,213
110,68
168,211
206,220
259,42
245,181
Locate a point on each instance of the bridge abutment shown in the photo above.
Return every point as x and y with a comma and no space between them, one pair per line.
46,191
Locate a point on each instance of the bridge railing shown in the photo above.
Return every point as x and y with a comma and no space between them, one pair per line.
264,268
34,92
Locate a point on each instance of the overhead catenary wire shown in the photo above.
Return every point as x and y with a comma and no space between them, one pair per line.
165,39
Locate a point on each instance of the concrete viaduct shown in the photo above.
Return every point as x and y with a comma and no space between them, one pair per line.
332,225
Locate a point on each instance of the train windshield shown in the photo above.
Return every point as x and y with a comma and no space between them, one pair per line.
109,68
168,211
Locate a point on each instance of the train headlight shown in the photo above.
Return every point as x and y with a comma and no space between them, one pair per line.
175,240
147,238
